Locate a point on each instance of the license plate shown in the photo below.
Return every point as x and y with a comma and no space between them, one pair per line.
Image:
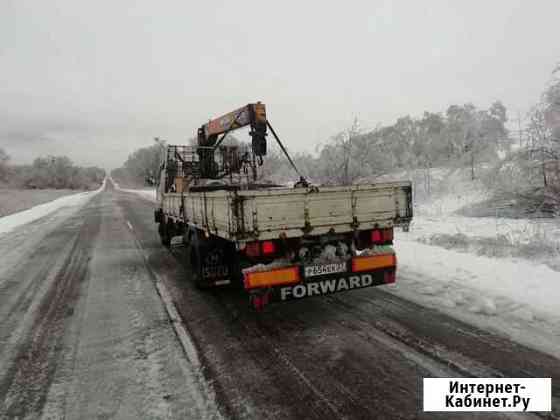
214,271
322,269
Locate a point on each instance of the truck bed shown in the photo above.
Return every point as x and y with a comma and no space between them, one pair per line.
263,214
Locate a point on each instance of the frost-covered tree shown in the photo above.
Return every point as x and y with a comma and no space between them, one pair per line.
552,119
351,155
143,164
59,172
531,173
4,159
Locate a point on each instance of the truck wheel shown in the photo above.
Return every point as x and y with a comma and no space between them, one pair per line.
186,237
164,235
196,267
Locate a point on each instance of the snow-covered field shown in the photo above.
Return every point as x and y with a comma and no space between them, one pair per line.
7,223
13,200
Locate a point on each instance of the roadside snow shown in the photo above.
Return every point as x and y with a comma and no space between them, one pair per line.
535,239
439,267
7,223
536,286
498,273
147,193
515,297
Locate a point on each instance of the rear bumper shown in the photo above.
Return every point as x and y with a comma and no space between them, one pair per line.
284,286
332,284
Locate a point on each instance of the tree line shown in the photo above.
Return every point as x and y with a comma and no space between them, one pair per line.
49,172
140,168
465,136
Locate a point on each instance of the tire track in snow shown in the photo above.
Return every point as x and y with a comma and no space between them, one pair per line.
25,386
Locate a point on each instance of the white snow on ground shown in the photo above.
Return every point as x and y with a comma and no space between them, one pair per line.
7,223
516,230
513,297
147,193
516,297
536,286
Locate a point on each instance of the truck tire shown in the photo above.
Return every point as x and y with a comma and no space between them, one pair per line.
164,234
187,236
195,255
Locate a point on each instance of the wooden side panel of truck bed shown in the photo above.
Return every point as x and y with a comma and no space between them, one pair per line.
264,214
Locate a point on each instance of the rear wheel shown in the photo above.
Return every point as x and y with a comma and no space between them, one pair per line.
196,258
187,238
164,234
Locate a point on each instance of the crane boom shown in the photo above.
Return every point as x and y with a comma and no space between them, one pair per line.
253,115
250,114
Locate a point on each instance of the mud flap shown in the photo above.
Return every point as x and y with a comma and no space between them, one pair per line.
212,261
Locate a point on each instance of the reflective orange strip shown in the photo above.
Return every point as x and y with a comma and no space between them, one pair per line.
276,277
373,262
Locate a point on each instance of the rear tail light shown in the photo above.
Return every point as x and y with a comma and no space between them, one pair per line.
387,235
268,248
379,236
376,236
258,249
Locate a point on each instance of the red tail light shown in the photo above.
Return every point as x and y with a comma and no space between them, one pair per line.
258,249
268,247
387,235
376,236
379,236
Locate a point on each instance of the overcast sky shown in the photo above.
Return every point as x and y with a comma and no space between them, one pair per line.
97,79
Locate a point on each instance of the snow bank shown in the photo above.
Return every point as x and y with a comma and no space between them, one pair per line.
516,297
517,231
147,193
7,223
439,266
521,281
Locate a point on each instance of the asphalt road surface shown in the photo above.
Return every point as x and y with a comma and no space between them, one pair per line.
85,334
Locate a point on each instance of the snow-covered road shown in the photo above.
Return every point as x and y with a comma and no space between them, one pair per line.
84,334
